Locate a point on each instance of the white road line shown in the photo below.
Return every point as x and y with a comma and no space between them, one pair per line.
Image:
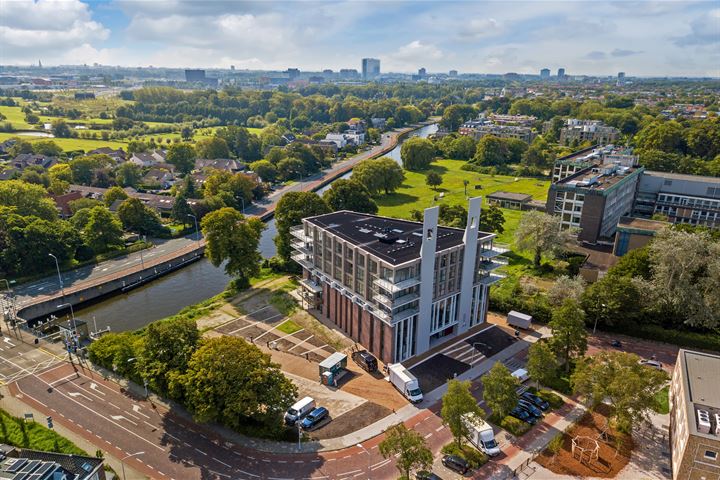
221,462
380,464
271,329
200,451
428,435
349,473
290,334
314,349
297,345
440,428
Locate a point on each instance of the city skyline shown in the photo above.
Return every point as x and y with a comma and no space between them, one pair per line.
642,38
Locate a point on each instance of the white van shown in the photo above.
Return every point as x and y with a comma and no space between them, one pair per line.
521,374
301,408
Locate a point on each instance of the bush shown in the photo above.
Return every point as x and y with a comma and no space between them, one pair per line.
552,398
681,338
33,435
474,457
515,426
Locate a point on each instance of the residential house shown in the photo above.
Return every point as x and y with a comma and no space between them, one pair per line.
224,164
158,178
62,202
24,160
378,122
10,173
21,464
148,159
118,156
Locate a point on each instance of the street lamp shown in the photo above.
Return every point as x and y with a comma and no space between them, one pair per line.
57,266
596,317
197,232
359,445
125,458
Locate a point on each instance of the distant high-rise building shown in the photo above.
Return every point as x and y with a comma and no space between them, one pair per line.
349,73
232,67
561,73
293,72
39,64
422,72
327,71
193,76
453,73
621,78
370,68
545,73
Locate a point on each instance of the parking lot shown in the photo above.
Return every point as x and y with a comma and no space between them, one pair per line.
460,357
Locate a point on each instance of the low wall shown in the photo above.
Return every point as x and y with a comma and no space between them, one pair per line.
125,281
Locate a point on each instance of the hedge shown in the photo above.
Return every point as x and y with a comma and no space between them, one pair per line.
515,426
681,338
474,457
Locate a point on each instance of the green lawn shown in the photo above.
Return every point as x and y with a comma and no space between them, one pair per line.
16,117
414,194
289,327
69,144
662,401
33,435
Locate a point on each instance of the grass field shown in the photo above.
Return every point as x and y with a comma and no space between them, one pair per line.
16,117
69,144
32,435
414,194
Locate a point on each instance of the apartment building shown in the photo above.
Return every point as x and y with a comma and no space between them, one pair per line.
594,199
370,68
595,155
695,417
479,128
691,199
593,131
396,287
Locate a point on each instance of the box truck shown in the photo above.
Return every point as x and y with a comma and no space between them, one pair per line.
405,381
481,434
519,320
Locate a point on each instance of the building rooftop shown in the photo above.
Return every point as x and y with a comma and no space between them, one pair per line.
642,224
682,176
518,197
597,177
390,239
701,377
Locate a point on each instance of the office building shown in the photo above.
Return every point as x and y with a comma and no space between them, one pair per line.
593,131
545,73
453,73
593,199
349,74
293,73
691,199
370,68
633,233
695,417
561,73
396,287
621,77
422,72
195,76
576,161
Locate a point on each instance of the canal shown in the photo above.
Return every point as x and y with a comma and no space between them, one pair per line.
192,284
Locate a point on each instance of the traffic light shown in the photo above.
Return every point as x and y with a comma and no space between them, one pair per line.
49,422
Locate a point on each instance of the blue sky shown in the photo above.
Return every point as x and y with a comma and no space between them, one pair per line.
585,37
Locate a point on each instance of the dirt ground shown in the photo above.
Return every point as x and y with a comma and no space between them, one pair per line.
608,464
364,415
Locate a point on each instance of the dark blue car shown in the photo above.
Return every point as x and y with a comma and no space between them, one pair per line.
521,414
313,418
530,408
535,400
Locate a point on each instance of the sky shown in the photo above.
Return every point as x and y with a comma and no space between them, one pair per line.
590,37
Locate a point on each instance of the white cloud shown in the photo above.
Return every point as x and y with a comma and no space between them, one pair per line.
481,28
47,28
411,56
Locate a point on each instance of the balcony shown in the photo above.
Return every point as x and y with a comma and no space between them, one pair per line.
303,259
397,302
489,278
490,265
497,250
302,246
407,313
298,231
397,287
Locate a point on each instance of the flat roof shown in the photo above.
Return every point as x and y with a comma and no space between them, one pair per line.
393,240
587,179
682,176
518,197
642,224
701,387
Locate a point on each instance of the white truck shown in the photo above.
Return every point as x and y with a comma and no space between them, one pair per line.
481,434
405,382
519,320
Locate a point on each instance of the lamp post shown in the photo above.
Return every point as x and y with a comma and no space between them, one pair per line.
596,317
125,458
197,231
359,445
57,266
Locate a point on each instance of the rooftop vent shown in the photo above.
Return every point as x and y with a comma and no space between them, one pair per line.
703,419
717,424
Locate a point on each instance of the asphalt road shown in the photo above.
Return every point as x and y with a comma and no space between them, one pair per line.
27,292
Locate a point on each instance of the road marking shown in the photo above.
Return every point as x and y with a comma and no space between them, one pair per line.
271,329
94,386
290,334
314,349
72,375
78,394
173,437
221,462
349,473
246,473
136,409
117,418
150,425
297,345
440,428
379,464
428,435
200,451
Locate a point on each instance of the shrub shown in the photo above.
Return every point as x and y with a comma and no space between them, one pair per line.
474,457
515,426
681,338
552,398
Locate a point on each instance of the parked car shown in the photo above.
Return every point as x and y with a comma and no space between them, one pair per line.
535,400
299,409
651,363
523,415
365,360
616,344
314,418
530,408
455,463
425,475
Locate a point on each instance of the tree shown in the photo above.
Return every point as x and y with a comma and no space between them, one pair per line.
103,231
541,233
500,390
265,170
569,337
32,118
542,363
566,287
128,174
349,195
417,153
83,168
290,210
231,381
181,210
28,199
212,147
235,190
661,135
140,218
241,142
60,171
113,194
408,446
456,403
433,180
618,378
166,351
182,155
21,146
47,147
611,301
61,129
379,174
186,133
492,219
455,115
491,151
233,239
